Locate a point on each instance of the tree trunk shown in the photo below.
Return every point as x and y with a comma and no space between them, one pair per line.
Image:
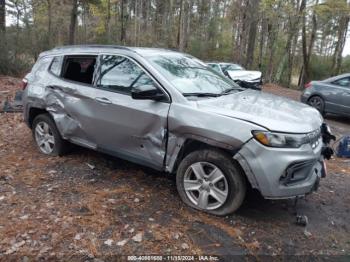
253,24
180,27
291,60
73,22
307,50
294,22
49,24
342,33
108,22
272,37
241,40
2,18
3,52
122,22
262,42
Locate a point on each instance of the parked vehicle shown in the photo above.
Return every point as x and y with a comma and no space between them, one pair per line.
329,96
169,111
243,77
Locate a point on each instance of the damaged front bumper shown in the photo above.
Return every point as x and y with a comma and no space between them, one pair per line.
280,173
254,84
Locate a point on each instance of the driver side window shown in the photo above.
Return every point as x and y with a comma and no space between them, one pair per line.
120,74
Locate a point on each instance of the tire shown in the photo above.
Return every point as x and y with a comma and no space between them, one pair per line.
318,103
230,189
57,144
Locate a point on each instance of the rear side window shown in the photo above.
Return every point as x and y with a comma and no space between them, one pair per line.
343,82
120,74
56,65
79,68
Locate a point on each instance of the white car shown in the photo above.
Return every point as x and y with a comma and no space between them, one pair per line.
246,78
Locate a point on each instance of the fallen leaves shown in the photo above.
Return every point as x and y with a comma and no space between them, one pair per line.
88,204
138,237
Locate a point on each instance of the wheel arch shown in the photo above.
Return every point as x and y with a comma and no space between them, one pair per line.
195,143
316,94
33,112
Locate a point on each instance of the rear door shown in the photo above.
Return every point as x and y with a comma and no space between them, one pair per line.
71,97
132,129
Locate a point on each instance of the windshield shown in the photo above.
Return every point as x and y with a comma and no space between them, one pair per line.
231,67
190,75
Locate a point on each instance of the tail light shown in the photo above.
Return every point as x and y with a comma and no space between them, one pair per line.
24,83
308,85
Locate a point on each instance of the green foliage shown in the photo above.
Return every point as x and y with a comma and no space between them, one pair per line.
320,67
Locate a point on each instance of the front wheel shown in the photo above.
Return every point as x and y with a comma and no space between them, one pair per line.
209,180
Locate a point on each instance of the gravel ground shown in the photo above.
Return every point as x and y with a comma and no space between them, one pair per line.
88,205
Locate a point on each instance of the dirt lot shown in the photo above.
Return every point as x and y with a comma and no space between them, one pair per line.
88,205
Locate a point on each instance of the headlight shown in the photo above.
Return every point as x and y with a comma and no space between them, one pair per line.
280,139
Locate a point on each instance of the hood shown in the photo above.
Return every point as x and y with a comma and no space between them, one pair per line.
273,112
244,75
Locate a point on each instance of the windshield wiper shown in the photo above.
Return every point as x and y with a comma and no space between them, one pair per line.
230,90
202,94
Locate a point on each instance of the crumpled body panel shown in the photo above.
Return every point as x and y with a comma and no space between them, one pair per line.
188,122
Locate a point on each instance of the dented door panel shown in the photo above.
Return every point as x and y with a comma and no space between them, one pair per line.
72,106
132,129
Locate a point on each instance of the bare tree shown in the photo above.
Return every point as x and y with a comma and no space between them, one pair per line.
339,47
253,5
73,22
49,24
122,22
307,48
3,52
2,17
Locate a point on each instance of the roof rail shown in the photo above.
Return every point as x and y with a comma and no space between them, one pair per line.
90,46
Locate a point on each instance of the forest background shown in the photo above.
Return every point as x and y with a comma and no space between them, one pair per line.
290,41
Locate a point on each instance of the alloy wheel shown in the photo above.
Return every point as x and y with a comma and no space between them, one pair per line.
44,137
316,102
205,185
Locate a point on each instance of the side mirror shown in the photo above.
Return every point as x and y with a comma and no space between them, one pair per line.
147,92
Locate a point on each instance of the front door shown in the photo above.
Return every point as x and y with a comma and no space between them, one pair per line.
131,129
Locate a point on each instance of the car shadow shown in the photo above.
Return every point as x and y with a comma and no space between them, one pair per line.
337,118
254,207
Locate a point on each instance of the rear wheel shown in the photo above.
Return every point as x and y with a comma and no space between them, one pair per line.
47,137
210,181
318,103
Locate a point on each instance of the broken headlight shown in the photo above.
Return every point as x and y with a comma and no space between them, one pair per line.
282,140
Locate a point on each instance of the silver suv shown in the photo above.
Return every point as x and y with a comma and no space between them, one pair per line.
170,111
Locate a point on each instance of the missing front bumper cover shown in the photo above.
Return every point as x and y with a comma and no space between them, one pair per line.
297,172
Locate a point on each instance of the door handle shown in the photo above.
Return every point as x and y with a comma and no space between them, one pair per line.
54,87
103,100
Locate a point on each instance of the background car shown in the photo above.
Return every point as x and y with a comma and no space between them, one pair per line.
329,96
245,78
